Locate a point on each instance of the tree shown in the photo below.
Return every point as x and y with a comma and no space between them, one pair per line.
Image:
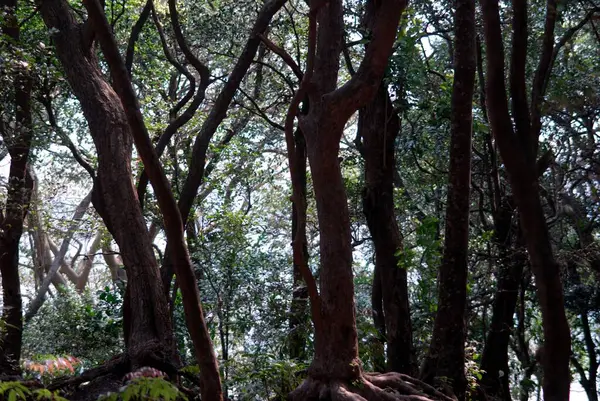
518,149
379,125
16,131
148,331
446,355
335,369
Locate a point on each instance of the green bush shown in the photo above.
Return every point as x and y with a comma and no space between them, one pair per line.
83,325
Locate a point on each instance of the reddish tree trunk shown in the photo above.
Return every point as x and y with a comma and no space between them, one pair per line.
148,332
18,142
336,372
379,126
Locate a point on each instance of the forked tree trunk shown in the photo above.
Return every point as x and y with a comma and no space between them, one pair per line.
446,355
148,332
20,183
518,151
336,372
379,126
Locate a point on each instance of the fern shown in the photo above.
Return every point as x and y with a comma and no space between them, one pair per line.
45,394
13,391
147,388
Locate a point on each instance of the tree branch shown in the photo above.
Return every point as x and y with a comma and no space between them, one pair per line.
283,54
211,389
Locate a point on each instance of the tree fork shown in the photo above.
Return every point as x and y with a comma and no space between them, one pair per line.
211,388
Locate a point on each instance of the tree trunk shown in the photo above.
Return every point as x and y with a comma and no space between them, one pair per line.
336,372
20,183
148,331
446,355
379,126
519,154
336,347
378,321
494,358
299,319
210,381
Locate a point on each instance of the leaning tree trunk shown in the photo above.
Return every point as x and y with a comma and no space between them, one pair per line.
148,333
214,119
446,355
20,183
210,380
379,126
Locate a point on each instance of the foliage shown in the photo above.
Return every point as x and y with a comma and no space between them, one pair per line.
265,376
83,325
16,391
147,388
473,372
49,367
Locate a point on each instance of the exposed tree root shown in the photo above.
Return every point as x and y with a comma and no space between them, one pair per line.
117,365
368,387
113,374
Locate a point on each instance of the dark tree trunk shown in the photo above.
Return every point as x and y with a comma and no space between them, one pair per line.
148,332
446,355
379,126
18,142
510,270
378,321
518,152
584,227
299,319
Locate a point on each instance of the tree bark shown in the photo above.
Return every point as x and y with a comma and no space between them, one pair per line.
521,170
379,126
299,319
20,183
446,355
210,380
148,332
335,369
510,270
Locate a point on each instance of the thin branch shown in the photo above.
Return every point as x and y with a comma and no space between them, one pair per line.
299,201
283,54
135,34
